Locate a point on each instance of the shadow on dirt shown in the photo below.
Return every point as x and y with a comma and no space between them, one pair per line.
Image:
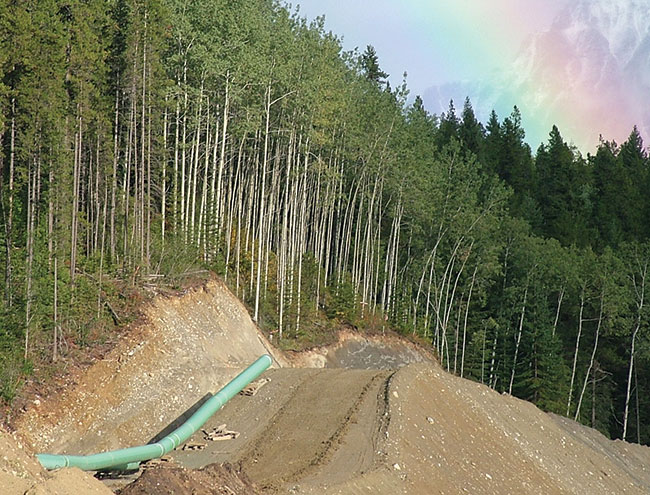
181,419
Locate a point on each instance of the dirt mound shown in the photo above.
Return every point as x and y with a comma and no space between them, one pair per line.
344,423
215,479
188,347
418,431
447,435
21,474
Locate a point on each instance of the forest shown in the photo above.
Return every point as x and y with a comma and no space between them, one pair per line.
143,139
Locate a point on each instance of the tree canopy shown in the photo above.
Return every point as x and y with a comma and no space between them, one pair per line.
143,139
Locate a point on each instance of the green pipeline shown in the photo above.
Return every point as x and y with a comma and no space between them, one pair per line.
131,457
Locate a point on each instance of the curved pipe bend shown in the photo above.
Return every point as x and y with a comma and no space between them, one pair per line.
131,457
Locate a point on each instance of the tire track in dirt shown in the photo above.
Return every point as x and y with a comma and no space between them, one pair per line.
417,431
359,447
305,432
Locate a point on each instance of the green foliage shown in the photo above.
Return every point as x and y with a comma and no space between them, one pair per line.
471,131
370,66
560,178
141,133
619,191
340,302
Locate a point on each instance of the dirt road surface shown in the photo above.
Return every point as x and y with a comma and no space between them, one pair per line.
369,415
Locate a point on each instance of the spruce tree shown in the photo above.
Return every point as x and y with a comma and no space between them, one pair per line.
633,165
370,66
471,131
448,130
558,191
608,181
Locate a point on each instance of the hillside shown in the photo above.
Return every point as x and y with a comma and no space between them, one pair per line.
144,142
372,415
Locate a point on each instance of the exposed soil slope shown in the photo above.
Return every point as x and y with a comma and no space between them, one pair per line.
448,435
348,422
189,346
416,431
21,474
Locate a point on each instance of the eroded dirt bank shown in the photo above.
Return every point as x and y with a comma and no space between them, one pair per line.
188,347
367,415
20,473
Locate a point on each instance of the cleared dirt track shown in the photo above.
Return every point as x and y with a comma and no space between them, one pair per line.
372,415
416,431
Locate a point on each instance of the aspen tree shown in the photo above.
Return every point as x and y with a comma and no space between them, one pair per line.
639,279
467,306
592,358
201,234
163,186
10,209
31,207
76,184
301,235
216,206
190,213
577,347
518,339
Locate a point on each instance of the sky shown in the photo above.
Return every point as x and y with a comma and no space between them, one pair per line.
456,47
435,41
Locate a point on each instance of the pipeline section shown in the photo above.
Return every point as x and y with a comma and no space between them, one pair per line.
130,458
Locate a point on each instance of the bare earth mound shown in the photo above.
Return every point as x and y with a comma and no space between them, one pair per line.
368,415
190,346
21,474
416,431
448,435
215,479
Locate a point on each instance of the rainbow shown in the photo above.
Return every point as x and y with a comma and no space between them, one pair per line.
583,94
464,41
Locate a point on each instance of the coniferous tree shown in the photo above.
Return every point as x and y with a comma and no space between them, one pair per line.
492,145
558,193
471,130
633,165
370,66
449,127
607,181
